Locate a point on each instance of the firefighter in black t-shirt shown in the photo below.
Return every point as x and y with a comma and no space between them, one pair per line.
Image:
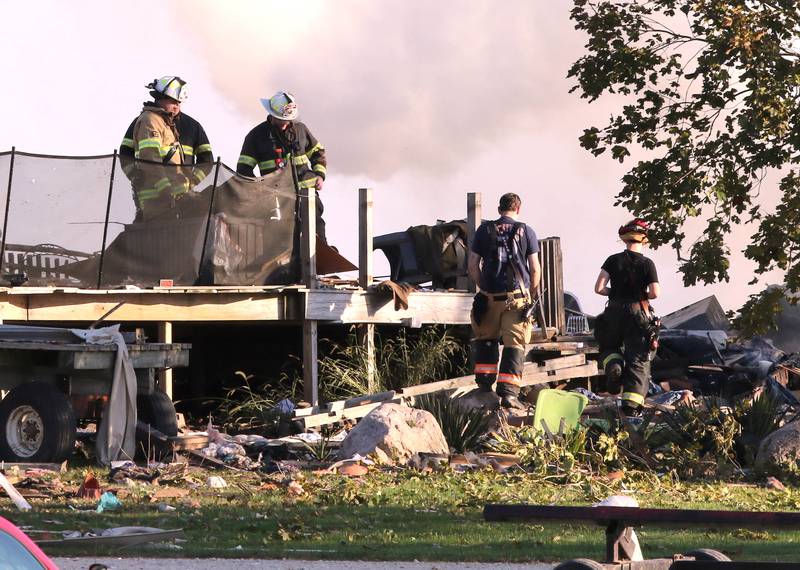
628,319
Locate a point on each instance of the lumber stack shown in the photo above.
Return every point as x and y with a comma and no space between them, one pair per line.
553,370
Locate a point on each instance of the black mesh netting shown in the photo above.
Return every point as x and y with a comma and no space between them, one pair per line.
163,222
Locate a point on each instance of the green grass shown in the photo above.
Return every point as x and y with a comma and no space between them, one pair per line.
406,515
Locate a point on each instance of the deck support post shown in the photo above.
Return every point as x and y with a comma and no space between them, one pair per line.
366,332
165,374
308,262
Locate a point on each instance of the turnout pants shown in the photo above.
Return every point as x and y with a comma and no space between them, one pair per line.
621,331
501,319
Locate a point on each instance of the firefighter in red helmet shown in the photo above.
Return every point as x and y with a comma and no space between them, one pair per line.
627,329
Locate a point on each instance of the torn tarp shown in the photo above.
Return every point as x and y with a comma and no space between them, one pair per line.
116,436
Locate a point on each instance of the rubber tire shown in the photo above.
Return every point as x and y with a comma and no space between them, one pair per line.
58,421
158,411
707,555
580,564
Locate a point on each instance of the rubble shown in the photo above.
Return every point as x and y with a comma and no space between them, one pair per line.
395,433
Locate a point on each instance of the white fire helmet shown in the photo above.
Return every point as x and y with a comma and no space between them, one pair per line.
170,86
281,106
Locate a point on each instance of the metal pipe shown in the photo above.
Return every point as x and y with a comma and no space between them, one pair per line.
208,220
8,203
105,223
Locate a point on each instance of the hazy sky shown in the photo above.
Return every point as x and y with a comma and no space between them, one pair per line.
422,101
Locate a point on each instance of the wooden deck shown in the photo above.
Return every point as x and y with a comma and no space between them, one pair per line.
312,303
230,304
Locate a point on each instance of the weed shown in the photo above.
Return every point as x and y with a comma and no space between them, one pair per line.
560,457
253,408
463,428
400,361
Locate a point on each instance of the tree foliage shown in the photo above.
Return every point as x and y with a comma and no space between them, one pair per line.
710,91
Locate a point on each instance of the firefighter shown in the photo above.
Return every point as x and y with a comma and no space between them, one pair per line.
193,139
280,139
504,264
627,329
163,134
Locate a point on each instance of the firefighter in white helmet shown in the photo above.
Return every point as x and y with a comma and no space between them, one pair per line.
281,138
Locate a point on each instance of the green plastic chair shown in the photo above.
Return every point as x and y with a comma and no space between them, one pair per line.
554,405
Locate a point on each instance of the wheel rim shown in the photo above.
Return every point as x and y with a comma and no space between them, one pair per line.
24,431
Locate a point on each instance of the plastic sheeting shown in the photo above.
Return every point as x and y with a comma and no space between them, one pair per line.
99,222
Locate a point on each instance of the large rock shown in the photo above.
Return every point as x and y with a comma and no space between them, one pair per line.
395,433
781,446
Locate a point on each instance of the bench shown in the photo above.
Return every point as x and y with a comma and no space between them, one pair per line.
620,520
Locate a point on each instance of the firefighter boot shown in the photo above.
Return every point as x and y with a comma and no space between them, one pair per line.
485,353
613,377
511,402
508,379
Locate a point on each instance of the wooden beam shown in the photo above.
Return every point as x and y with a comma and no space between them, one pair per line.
165,374
361,307
365,265
474,214
533,375
344,414
143,307
349,403
310,355
308,262
366,332
308,237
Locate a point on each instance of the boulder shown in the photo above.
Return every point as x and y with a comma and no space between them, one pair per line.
781,446
394,433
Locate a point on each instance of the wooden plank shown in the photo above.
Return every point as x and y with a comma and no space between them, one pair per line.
371,307
345,414
308,241
22,467
474,214
349,403
155,307
564,362
531,374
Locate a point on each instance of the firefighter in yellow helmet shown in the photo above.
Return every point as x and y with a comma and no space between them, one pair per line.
280,139
627,330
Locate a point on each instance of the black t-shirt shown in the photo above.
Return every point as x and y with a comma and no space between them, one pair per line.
631,273
496,275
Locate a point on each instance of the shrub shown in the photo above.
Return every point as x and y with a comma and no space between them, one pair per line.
463,428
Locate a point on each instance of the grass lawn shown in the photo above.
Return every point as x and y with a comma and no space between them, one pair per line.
405,515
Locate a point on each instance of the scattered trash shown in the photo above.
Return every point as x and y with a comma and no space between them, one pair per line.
15,496
353,470
296,489
115,537
108,502
773,483
165,508
90,488
216,482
